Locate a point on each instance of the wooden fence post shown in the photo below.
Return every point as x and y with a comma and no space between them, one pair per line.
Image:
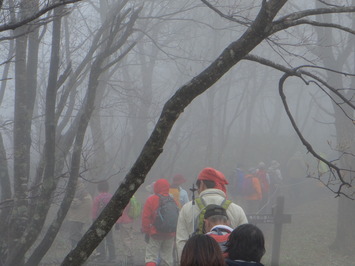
279,219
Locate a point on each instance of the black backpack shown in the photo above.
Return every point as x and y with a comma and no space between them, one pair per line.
167,215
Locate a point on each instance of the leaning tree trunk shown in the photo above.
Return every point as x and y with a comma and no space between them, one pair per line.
172,109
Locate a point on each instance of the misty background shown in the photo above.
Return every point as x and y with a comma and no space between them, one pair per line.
129,57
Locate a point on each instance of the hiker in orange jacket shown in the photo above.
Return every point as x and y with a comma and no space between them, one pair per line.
264,180
252,193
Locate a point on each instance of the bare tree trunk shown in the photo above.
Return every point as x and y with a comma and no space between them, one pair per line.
345,135
32,71
49,180
6,70
22,141
22,229
99,66
250,107
34,226
140,126
210,120
5,200
97,164
345,235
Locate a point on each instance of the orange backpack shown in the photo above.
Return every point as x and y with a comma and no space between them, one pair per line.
175,193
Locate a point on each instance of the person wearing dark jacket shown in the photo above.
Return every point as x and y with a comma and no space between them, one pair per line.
246,246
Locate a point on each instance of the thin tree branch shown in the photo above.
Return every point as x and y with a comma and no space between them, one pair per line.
306,143
15,25
228,17
317,11
288,24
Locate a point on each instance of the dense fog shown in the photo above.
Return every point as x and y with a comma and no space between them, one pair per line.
119,62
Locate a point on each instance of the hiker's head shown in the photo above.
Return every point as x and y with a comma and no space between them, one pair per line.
150,188
215,215
261,166
161,186
201,250
211,178
274,164
178,180
103,186
252,170
204,184
246,242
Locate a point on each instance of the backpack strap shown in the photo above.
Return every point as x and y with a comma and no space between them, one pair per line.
160,201
225,204
200,203
202,206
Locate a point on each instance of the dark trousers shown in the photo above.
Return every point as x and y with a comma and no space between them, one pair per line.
75,230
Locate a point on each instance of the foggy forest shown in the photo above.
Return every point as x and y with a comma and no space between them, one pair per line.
131,91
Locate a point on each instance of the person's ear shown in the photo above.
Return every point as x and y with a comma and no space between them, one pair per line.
202,186
199,189
207,225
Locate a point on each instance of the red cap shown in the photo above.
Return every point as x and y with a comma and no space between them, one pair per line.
178,180
215,176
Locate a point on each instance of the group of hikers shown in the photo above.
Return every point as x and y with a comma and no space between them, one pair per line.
255,187
210,229
84,208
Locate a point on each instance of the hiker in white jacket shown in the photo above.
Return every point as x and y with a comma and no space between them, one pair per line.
211,189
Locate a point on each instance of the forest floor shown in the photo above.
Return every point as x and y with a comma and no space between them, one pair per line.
305,241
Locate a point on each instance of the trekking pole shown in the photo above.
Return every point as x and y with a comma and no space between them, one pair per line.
193,189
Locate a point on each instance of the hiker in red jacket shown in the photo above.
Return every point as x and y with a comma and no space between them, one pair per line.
159,244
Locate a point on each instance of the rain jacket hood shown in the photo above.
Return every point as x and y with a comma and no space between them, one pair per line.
161,186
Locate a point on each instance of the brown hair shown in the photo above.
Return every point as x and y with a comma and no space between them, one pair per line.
201,250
